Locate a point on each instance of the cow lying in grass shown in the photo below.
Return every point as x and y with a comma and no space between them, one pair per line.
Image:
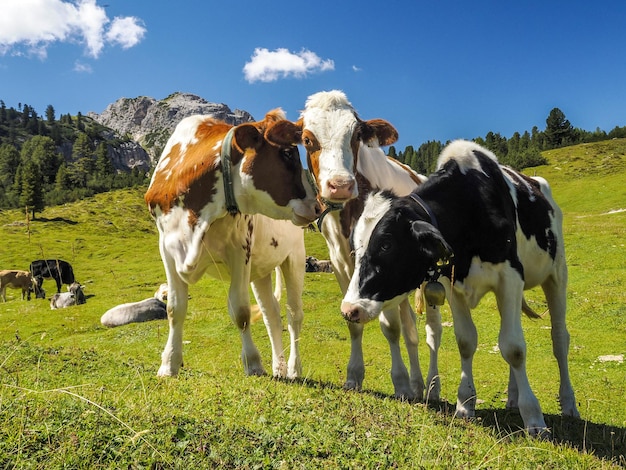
74,296
472,228
134,312
314,265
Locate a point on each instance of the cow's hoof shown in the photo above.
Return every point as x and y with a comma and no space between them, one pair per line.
167,371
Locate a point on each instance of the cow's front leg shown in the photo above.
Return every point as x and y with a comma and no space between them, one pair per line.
270,309
467,342
411,339
356,366
390,326
172,356
433,340
239,310
294,282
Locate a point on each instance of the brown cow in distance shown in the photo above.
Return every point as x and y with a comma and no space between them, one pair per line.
17,279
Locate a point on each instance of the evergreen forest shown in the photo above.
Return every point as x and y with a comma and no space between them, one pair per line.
46,161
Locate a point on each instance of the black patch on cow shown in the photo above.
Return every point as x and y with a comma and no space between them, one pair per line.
476,216
534,211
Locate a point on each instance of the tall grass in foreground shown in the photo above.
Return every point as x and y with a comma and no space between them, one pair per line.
74,394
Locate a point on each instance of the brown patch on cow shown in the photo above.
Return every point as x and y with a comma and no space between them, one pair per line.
313,150
353,209
274,243
247,246
191,172
379,128
280,160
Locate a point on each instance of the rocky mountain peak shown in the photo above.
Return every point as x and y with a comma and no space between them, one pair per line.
150,122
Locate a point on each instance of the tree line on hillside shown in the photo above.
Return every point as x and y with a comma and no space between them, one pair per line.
45,161
519,151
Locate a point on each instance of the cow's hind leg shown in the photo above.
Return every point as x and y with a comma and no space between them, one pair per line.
270,309
513,348
555,293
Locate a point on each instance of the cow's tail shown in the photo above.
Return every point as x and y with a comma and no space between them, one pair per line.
529,312
255,310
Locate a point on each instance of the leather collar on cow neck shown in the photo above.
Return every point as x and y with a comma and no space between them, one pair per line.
231,203
424,206
330,207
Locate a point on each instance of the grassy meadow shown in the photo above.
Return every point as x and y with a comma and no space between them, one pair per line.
74,394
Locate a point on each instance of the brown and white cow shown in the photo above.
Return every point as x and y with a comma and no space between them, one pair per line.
23,280
345,158
215,195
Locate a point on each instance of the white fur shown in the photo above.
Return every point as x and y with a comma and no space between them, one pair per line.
463,152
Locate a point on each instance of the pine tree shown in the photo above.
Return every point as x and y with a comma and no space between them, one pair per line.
558,131
104,167
9,161
31,194
50,114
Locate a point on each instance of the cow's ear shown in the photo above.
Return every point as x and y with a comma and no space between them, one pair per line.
247,136
431,242
380,129
283,134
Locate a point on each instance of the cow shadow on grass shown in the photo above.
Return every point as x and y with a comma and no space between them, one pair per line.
602,440
55,219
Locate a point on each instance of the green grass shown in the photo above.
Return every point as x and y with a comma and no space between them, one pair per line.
74,394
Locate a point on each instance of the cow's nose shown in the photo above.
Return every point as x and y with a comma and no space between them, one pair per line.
350,312
341,188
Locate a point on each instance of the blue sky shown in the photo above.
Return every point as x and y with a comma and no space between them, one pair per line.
437,70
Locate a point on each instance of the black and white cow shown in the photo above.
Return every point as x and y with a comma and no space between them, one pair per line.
477,227
57,269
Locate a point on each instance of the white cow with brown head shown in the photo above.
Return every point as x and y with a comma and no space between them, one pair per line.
347,162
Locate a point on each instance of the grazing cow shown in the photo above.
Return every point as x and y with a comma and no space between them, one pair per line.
207,194
57,269
73,296
473,227
314,265
23,280
345,158
134,312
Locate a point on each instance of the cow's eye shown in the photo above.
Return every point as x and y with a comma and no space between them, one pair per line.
287,153
307,141
385,246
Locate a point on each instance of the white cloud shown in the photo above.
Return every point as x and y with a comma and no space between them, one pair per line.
82,67
356,69
268,66
127,32
30,26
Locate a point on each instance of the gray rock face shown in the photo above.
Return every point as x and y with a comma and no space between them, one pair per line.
150,122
